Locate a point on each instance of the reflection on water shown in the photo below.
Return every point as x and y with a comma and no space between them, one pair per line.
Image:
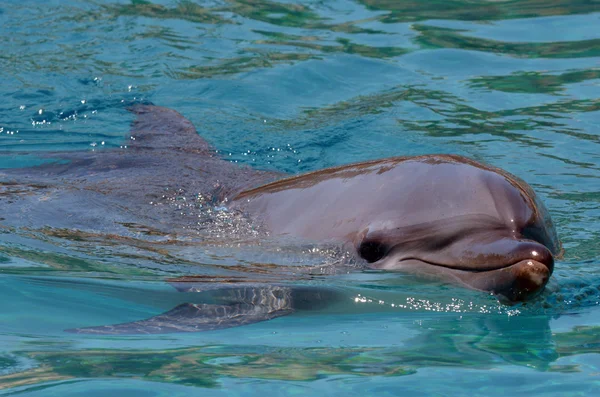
434,37
293,87
535,82
466,342
409,11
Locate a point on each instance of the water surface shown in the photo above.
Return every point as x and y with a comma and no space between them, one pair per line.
295,87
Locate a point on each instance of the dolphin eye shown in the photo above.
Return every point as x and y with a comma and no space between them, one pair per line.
372,251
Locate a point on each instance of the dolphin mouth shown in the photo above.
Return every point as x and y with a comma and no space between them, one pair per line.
511,282
471,268
518,282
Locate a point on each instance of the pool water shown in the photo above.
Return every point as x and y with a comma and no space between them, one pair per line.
295,87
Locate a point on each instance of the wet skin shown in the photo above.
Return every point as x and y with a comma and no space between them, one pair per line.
439,216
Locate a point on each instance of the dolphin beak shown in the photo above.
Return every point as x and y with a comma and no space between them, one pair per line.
512,283
522,281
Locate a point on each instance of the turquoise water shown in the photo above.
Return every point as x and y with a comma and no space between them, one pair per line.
296,87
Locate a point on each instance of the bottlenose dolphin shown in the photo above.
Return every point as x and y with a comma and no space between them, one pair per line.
438,215
441,216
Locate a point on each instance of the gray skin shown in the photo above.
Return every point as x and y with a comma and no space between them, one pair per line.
439,216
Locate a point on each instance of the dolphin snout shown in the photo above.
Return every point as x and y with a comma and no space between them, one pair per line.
523,280
532,250
528,268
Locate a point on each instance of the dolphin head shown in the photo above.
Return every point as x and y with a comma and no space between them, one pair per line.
435,215
508,252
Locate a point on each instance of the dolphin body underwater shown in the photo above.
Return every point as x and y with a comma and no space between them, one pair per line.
440,216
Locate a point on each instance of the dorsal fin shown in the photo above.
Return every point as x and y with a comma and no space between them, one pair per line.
156,127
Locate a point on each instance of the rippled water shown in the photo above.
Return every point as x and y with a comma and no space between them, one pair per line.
295,87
